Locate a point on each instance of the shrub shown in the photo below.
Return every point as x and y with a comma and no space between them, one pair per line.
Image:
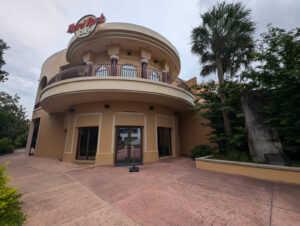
6,146
21,140
10,207
234,155
201,150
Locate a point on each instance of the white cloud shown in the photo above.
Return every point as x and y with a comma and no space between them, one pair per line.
36,29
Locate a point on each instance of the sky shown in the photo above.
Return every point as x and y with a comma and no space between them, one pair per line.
35,29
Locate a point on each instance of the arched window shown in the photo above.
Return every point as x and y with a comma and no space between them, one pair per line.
43,83
101,71
154,76
128,71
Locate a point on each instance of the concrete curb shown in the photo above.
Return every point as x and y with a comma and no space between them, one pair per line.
208,159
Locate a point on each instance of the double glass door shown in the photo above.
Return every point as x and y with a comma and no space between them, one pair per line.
128,145
87,143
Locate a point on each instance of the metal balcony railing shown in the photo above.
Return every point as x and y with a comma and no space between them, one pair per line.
120,70
37,105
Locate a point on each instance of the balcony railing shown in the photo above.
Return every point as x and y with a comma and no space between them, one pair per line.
37,105
126,71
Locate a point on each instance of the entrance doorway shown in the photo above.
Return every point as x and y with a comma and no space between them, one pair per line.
164,141
87,143
128,145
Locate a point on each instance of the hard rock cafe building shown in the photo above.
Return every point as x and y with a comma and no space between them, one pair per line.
113,96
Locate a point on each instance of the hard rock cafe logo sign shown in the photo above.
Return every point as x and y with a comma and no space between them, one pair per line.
86,25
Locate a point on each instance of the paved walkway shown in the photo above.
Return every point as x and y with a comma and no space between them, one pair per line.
170,192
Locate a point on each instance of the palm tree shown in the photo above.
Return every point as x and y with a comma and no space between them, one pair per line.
224,43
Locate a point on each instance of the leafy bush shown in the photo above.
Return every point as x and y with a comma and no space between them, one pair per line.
277,72
21,140
209,106
201,150
234,156
10,207
6,146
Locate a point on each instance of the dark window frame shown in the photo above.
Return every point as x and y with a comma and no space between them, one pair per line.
164,141
87,151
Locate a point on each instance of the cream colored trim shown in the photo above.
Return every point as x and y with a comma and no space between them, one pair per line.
144,61
68,131
111,85
173,136
127,31
114,57
37,109
73,135
99,133
145,133
113,134
74,128
113,129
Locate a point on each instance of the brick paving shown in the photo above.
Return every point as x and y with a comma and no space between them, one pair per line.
169,192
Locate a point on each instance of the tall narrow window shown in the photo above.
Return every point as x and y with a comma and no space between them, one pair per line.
34,136
164,141
128,71
87,143
154,76
101,71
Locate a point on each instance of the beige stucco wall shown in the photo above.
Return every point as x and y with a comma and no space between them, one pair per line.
51,135
124,58
52,65
58,131
63,128
58,96
192,133
129,37
115,26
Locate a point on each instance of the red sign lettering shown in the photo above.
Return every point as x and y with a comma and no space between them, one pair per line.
86,23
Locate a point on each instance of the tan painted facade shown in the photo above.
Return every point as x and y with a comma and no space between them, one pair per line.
66,105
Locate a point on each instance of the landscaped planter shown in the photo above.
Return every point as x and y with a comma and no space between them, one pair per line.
261,171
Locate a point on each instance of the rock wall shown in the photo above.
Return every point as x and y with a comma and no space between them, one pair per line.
262,138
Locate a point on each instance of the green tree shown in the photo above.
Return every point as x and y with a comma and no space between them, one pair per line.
277,73
224,43
211,108
13,122
3,47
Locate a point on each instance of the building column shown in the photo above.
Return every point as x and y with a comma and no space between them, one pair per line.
114,62
89,68
164,75
144,68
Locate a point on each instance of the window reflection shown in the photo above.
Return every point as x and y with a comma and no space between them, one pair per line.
101,71
128,71
154,76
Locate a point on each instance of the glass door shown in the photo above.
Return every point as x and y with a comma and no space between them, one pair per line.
128,145
87,143
164,141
